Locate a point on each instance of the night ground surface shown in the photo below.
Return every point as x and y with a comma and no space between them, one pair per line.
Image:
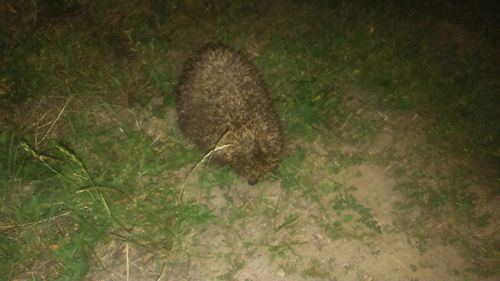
390,113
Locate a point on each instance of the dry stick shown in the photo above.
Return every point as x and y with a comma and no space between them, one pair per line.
127,261
162,271
38,126
11,272
9,226
36,131
205,157
57,118
35,11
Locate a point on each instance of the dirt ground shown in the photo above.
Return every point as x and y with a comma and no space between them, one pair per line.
242,248
391,256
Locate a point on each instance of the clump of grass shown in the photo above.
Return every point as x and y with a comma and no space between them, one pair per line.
55,210
51,213
316,271
283,248
235,264
351,220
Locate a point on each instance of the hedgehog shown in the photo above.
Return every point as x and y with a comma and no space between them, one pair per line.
224,107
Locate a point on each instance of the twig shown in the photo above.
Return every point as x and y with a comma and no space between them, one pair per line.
205,157
127,259
5,227
57,118
162,271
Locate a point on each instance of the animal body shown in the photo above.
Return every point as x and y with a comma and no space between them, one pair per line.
224,108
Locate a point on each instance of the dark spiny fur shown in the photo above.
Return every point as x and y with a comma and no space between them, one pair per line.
223,103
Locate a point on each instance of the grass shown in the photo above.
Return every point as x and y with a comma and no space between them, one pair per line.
82,161
61,209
